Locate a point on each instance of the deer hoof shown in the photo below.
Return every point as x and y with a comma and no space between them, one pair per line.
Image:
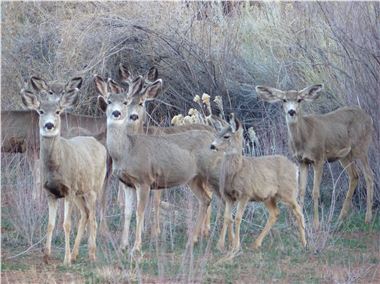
316,224
46,258
256,245
135,252
368,218
220,246
67,261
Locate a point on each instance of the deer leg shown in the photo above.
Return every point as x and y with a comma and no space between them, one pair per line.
368,176
53,206
353,182
142,199
80,203
273,215
302,182
129,197
91,204
204,202
297,212
239,216
67,228
318,168
226,221
207,224
156,211
34,163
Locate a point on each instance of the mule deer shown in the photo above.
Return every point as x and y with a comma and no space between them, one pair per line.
344,134
267,179
20,130
151,161
137,113
72,169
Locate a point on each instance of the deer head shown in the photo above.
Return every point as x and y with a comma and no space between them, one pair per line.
49,110
230,138
53,90
291,100
126,76
123,106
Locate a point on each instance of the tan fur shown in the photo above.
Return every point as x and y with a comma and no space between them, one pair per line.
73,169
266,179
344,134
19,129
157,160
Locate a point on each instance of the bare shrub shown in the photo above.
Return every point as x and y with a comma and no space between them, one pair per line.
197,47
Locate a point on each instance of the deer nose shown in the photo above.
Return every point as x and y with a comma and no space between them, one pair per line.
49,126
292,112
116,113
212,147
134,117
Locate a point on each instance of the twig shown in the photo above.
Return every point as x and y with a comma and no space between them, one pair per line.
28,249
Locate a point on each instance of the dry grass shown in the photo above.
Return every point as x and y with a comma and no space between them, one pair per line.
199,49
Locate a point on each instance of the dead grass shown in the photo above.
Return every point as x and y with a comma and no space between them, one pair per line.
198,48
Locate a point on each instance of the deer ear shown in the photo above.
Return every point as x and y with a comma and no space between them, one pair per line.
38,84
152,74
271,95
69,99
74,83
234,123
29,100
153,90
101,86
310,93
125,75
136,86
102,103
114,87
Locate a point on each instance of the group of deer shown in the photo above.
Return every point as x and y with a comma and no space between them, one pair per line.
207,160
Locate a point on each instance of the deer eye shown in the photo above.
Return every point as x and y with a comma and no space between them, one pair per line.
109,102
284,100
141,104
57,112
226,136
41,111
299,100
50,92
125,103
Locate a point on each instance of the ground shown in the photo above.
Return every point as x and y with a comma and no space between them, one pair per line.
349,253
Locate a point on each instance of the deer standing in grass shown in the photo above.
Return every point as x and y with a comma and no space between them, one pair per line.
344,134
267,179
157,161
20,129
137,114
73,169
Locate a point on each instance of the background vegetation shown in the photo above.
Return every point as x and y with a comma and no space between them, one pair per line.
221,49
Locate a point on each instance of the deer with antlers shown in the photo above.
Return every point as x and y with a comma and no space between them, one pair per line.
344,134
73,169
266,179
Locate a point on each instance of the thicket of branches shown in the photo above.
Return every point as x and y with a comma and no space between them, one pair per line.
218,48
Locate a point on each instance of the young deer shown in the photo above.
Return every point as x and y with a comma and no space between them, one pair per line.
344,134
151,161
266,179
72,169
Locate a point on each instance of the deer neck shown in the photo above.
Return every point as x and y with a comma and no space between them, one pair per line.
296,132
118,140
235,159
51,152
